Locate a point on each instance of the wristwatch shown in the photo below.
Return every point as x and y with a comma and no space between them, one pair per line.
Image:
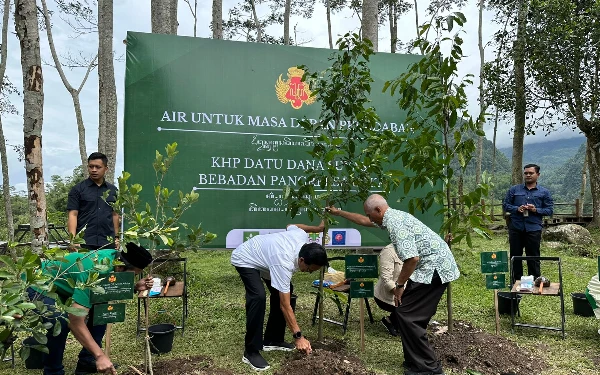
297,335
399,286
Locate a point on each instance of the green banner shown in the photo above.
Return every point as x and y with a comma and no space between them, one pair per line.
495,281
361,289
117,286
361,266
233,109
494,261
105,313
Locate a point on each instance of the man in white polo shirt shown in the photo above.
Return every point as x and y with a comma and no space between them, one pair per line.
273,258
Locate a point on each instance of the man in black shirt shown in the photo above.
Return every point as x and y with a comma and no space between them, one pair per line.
86,206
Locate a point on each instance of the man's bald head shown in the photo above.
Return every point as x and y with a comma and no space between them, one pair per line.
375,200
375,207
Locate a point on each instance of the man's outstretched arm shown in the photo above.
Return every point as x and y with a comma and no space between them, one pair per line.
311,228
352,216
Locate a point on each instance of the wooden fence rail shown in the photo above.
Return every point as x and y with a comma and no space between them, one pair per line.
572,212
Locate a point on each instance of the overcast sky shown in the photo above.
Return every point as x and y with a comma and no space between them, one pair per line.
60,150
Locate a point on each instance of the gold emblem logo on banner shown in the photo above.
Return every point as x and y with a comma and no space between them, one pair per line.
293,90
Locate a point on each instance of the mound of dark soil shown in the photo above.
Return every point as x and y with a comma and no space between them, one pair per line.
197,365
470,348
327,358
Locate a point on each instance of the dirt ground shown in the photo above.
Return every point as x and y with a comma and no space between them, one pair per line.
466,348
197,365
327,358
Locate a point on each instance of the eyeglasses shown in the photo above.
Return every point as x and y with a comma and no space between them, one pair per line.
528,173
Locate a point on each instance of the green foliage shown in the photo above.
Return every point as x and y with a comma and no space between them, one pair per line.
503,164
158,225
352,163
19,314
565,181
57,195
564,44
435,100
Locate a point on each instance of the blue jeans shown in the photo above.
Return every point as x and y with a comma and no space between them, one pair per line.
56,344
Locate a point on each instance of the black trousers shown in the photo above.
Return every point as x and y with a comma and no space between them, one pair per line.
393,310
531,242
419,304
256,302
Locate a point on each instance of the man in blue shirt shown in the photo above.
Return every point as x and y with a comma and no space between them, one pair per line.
527,203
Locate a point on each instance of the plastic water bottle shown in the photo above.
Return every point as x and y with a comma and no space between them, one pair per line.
526,212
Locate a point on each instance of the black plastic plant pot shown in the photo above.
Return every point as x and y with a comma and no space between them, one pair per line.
504,303
581,306
161,337
35,361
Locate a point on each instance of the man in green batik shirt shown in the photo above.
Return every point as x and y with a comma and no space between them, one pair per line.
428,268
91,358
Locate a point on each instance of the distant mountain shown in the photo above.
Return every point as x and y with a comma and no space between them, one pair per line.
550,155
502,162
565,181
560,162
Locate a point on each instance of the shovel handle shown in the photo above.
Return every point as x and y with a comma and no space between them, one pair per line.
166,289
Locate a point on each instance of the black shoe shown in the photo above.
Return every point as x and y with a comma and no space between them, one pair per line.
256,361
389,326
279,345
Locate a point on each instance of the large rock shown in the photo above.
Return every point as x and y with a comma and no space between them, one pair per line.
568,233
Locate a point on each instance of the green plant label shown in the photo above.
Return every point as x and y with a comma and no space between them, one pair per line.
495,281
361,266
361,289
494,261
108,313
117,286
235,114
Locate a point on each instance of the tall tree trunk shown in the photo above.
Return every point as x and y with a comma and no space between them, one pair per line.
217,19
416,17
520,100
393,19
164,16
195,17
329,24
492,196
107,91
194,12
369,24
26,23
256,22
481,99
74,93
10,225
583,180
286,22
593,153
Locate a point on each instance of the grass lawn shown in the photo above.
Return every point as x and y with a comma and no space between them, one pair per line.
215,326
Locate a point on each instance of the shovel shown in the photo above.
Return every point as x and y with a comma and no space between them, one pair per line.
168,282
542,282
